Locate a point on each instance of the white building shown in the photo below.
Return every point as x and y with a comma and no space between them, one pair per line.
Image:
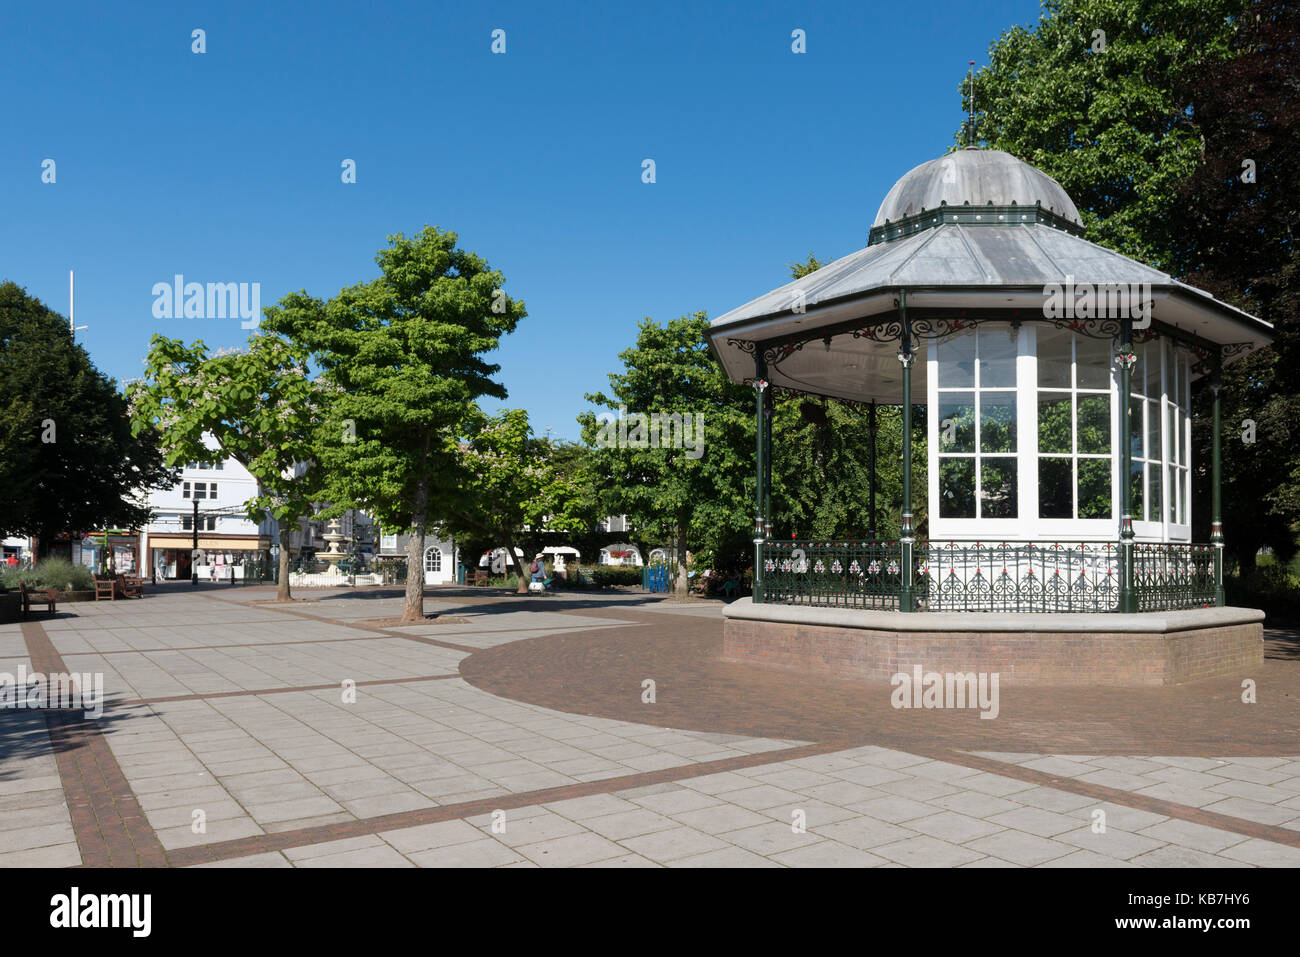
440,557
227,539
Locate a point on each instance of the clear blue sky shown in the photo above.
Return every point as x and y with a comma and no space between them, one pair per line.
225,166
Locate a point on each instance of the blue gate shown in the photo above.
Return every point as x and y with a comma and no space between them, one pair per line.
656,578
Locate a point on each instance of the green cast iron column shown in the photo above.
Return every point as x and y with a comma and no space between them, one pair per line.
767,459
906,539
760,431
1127,359
871,430
1216,483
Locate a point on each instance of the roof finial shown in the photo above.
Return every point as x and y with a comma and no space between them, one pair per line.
970,127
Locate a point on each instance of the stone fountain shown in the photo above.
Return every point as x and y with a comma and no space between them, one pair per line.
334,554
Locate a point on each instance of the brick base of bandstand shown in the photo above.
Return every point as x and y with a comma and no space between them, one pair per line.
1143,649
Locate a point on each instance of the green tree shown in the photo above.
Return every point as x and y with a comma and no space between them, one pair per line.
1235,236
1150,138
692,496
810,265
403,353
507,483
258,404
69,460
1102,114
821,474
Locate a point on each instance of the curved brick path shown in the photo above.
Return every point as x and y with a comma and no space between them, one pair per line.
600,672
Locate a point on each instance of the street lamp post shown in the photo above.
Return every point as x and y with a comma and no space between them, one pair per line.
194,555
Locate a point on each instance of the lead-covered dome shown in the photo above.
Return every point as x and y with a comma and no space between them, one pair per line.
979,177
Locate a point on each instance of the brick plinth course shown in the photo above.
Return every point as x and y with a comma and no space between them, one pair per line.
1142,650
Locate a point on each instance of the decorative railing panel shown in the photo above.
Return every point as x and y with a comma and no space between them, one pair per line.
1170,577
1081,577
1020,577
833,574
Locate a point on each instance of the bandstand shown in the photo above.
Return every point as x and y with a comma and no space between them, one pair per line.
1058,377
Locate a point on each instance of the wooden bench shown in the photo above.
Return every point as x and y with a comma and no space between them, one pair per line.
479,576
105,587
41,596
132,586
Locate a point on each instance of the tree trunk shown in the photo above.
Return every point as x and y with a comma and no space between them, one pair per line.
413,609
282,593
521,570
683,586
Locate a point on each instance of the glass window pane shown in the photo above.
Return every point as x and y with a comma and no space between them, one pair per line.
1143,353
997,421
1055,488
957,422
997,358
1173,433
1183,456
1183,518
1094,488
956,488
1094,424
1135,427
1135,490
1154,451
957,361
1053,358
1092,362
1054,432
997,488
1153,482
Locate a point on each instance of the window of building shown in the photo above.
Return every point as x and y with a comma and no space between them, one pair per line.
201,490
977,425
1074,425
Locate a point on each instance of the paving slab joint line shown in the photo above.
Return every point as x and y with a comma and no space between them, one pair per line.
1140,802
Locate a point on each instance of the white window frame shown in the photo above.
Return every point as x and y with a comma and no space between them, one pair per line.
1029,527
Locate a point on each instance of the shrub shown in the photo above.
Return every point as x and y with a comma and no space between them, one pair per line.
1270,588
51,573
607,576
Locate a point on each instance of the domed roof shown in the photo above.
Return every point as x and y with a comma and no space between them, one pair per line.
980,177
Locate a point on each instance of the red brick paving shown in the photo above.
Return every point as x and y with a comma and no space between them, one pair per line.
109,825
600,672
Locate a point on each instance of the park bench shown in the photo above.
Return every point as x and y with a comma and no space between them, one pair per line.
480,576
40,596
105,587
131,586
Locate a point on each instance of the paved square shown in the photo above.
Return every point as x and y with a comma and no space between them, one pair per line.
238,732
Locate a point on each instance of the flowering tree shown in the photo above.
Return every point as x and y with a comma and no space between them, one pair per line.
258,404
507,480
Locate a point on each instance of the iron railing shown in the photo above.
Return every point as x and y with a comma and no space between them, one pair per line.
1081,577
1020,577
1169,577
834,574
